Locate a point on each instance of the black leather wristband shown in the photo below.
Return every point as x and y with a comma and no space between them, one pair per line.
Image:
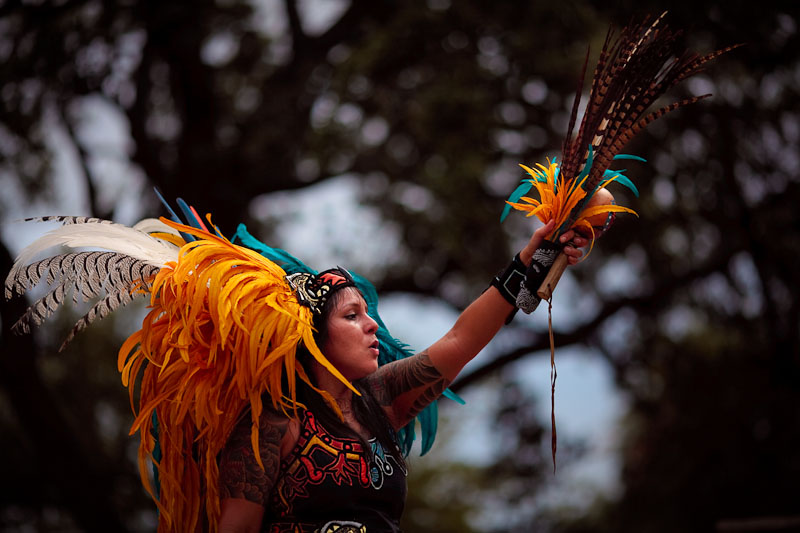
508,281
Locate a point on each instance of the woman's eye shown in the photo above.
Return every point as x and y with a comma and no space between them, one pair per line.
351,316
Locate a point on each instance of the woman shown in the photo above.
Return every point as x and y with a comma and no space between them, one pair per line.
270,397
311,500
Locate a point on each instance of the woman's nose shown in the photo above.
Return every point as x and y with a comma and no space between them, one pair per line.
372,326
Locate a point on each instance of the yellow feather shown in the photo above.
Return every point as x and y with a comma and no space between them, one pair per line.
223,330
556,200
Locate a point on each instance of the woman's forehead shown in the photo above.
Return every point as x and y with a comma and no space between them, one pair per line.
350,296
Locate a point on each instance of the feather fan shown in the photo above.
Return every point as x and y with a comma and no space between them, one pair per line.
633,70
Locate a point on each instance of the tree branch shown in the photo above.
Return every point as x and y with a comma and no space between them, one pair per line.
656,298
295,27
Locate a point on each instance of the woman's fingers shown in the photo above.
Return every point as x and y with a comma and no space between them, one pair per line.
575,241
576,238
539,234
536,240
580,242
573,254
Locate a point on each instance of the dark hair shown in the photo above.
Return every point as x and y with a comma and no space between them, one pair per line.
366,409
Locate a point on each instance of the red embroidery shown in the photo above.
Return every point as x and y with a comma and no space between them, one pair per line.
319,457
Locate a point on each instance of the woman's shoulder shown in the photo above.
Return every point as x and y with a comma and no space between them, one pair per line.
276,427
291,436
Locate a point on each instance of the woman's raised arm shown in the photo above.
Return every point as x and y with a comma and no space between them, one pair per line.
406,386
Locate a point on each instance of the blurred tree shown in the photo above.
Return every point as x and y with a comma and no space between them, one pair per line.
431,105
499,495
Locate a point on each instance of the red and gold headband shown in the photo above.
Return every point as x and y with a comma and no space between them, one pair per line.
314,290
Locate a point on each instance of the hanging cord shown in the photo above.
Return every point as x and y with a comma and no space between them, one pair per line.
553,376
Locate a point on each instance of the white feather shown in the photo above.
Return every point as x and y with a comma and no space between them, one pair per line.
152,225
107,236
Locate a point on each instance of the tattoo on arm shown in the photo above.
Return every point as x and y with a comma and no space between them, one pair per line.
240,476
415,375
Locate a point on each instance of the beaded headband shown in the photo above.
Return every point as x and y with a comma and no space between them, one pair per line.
314,290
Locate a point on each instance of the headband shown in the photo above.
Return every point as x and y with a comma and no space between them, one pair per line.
314,290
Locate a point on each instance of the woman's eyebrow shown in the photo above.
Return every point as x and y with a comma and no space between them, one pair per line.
357,305
351,305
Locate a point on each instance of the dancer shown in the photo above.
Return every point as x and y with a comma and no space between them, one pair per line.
271,397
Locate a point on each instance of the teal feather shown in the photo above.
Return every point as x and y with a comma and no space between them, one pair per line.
621,179
518,193
629,156
287,261
173,215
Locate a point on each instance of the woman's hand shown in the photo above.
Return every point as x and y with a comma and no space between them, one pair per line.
574,239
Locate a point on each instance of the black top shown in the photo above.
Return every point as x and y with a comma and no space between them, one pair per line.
328,483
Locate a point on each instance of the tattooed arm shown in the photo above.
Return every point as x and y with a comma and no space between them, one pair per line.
244,486
405,387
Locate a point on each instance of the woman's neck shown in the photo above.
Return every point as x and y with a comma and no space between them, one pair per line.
345,403
340,392
342,395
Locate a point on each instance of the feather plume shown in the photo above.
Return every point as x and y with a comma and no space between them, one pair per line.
131,261
634,69
154,225
82,232
221,337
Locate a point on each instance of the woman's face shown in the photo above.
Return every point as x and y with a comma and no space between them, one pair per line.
351,344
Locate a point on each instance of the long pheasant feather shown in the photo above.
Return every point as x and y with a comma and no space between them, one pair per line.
633,70
128,262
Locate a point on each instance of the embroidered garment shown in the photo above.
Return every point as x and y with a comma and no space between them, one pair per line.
328,483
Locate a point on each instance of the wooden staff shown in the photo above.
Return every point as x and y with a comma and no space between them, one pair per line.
600,224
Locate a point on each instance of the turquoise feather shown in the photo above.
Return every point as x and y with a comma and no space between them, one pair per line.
518,193
173,215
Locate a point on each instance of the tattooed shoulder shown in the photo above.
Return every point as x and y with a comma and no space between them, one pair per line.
240,476
416,375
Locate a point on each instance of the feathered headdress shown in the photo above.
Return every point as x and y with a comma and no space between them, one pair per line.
222,333
634,69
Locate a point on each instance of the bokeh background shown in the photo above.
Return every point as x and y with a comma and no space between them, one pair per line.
384,136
